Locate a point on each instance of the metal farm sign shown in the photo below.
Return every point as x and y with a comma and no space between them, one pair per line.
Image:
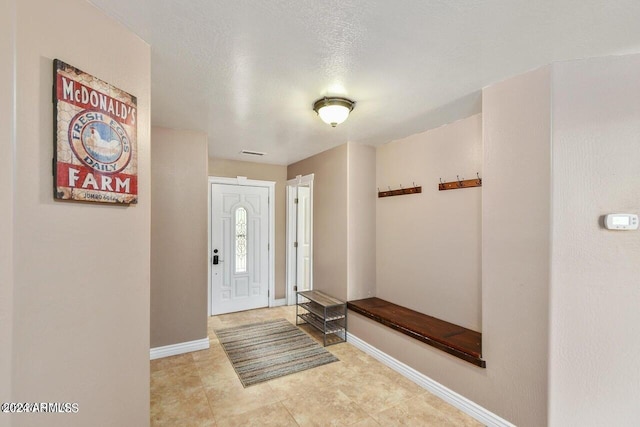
95,139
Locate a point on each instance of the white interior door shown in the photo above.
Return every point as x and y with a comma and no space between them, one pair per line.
240,241
299,236
303,238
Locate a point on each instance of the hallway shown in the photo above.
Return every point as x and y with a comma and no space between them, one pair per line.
201,389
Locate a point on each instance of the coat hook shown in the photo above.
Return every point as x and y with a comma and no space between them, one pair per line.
414,184
479,179
389,187
401,187
459,182
441,181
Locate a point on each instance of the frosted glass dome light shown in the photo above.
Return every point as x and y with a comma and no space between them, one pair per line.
333,111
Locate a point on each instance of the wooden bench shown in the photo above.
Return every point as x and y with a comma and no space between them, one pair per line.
453,339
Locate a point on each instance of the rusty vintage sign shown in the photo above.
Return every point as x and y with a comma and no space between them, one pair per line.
95,152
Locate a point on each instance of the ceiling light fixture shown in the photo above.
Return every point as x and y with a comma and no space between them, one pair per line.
333,111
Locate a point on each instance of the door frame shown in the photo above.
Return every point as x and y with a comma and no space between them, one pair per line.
243,181
292,184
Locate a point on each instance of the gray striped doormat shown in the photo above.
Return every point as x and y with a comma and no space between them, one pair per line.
263,351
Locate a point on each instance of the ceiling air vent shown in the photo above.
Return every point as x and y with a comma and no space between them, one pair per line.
252,153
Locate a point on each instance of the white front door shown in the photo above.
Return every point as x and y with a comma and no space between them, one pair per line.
239,248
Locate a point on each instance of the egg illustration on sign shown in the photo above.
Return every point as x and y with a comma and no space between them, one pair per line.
100,142
104,150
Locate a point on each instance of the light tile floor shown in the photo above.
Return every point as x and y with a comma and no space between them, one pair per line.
201,389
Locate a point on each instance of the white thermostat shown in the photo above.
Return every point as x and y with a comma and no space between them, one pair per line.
621,221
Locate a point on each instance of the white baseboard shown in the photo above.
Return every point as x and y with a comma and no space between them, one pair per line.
279,302
465,405
180,348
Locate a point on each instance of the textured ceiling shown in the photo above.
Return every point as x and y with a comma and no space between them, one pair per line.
247,72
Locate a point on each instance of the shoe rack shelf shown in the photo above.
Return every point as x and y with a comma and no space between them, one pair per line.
323,312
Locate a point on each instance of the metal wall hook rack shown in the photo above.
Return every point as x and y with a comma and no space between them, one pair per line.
460,183
400,191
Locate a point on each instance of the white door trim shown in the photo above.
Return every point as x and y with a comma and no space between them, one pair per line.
291,237
299,180
242,180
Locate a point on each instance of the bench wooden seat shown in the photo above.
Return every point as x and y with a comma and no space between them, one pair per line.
453,339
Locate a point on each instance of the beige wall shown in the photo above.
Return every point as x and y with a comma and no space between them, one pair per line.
6,200
343,219
515,259
329,218
263,172
361,205
428,244
179,242
516,246
595,293
81,296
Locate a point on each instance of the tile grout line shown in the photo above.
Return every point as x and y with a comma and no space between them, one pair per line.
288,412
203,388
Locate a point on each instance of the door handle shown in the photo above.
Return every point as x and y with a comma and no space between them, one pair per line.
215,260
